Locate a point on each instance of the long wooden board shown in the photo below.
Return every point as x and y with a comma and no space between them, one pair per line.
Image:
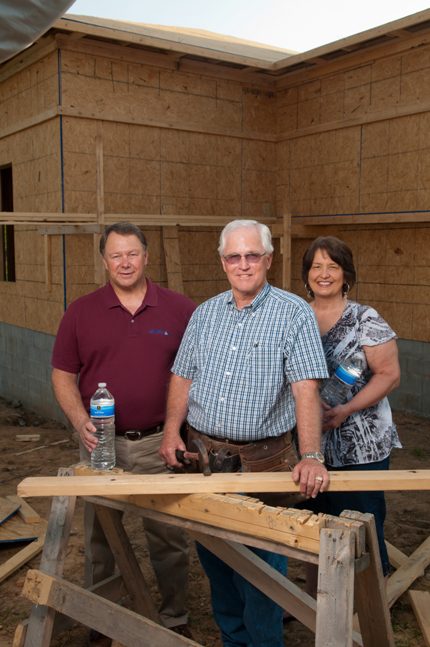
121,624
420,601
111,484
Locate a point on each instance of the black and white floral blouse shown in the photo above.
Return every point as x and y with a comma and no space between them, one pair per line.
368,435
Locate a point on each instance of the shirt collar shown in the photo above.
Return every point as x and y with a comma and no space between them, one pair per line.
150,299
258,300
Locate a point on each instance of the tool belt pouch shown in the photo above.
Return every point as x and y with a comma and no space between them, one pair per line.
223,457
270,455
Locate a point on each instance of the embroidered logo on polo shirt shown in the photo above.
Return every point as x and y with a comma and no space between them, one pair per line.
158,331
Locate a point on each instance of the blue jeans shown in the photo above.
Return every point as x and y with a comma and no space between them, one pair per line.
372,502
246,617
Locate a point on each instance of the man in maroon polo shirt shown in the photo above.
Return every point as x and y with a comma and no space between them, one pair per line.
126,334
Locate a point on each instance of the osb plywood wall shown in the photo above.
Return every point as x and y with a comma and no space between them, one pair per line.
345,149
338,140
173,143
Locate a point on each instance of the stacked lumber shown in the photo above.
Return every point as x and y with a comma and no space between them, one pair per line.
19,523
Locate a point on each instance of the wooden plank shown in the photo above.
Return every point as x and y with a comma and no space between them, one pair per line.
396,557
420,601
19,635
26,438
103,615
403,577
59,230
286,251
405,480
88,220
213,46
279,588
128,565
335,574
298,529
370,592
15,530
47,255
42,618
172,257
22,557
25,511
111,588
7,508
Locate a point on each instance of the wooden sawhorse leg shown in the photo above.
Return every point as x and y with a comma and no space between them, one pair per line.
111,522
41,621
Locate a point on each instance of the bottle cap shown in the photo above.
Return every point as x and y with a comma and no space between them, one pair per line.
101,385
348,377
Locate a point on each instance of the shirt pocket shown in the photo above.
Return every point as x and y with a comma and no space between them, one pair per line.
265,364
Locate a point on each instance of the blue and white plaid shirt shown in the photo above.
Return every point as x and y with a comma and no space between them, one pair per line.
242,363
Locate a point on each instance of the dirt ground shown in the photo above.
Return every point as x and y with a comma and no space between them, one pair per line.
407,526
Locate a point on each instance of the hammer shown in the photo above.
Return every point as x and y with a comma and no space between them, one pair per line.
199,457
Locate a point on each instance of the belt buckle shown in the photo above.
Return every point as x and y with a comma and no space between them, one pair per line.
133,434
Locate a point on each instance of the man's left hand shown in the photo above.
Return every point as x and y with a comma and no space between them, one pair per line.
312,476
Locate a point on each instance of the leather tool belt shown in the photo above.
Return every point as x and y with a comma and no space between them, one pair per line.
276,454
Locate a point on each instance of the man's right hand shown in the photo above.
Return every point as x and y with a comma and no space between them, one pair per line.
87,435
170,443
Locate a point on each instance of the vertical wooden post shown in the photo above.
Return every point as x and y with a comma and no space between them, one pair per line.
40,625
335,597
172,257
370,592
99,274
286,251
47,244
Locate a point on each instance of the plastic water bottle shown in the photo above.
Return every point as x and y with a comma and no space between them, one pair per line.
337,388
102,413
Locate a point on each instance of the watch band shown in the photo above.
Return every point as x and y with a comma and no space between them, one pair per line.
315,455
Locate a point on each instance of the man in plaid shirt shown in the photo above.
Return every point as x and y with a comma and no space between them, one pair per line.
247,370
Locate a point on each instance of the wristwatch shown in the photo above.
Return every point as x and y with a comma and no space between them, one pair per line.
315,455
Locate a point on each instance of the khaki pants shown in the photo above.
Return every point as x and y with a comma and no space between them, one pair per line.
168,545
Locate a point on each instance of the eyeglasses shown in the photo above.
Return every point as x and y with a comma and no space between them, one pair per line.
251,259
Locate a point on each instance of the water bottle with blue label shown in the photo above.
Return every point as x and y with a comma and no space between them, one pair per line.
102,414
337,389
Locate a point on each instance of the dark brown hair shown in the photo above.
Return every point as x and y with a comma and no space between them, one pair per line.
123,229
338,251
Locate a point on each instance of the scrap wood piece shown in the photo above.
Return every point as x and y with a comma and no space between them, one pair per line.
25,511
397,557
26,438
15,530
98,485
420,601
403,577
35,449
7,509
23,556
105,616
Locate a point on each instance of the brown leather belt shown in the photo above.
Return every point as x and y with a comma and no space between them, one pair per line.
138,434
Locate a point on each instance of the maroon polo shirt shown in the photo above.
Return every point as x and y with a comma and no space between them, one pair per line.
99,340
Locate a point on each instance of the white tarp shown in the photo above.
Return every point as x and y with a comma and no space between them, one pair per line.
23,21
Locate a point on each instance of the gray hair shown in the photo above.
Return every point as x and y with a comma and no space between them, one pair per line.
123,229
263,230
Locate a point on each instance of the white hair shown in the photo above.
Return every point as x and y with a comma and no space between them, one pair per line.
263,230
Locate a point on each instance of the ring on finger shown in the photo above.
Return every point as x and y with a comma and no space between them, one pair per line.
319,478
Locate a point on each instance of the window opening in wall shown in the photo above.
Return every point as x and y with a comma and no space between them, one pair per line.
7,238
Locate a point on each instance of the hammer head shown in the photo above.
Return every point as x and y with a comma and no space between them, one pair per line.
203,457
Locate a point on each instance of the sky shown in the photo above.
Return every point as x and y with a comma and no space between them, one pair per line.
299,25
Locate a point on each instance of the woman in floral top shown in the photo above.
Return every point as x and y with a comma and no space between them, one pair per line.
359,434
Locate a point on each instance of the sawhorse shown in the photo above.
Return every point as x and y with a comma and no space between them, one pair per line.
349,574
